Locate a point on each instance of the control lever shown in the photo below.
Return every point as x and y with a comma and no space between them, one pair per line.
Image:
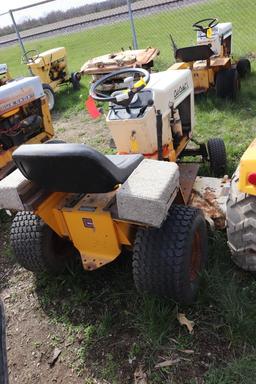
150,103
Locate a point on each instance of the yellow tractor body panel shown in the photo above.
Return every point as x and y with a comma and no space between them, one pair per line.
204,71
49,211
6,157
181,65
94,235
89,225
18,105
247,166
201,80
47,120
48,66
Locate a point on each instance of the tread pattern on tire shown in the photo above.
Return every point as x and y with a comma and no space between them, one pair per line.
158,259
241,226
217,155
28,237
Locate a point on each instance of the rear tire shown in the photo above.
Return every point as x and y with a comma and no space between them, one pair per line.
168,261
217,157
36,246
243,67
227,84
241,226
49,93
75,80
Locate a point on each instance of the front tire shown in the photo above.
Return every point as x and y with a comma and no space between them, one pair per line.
217,157
167,261
50,95
36,246
241,226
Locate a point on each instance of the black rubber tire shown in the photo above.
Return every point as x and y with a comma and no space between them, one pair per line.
75,80
49,92
227,84
241,226
243,67
217,157
36,246
162,258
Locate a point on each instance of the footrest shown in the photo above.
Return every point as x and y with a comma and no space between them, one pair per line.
149,191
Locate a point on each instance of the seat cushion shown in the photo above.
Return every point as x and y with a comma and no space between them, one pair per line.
73,167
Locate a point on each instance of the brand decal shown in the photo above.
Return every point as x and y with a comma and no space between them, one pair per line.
182,88
22,97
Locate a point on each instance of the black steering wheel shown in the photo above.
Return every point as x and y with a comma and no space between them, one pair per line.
30,56
123,97
199,27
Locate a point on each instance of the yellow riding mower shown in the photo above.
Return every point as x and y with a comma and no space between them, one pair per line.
210,60
52,68
24,118
78,197
4,74
241,212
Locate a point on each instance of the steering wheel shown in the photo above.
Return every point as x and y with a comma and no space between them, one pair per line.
212,22
123,97
33,55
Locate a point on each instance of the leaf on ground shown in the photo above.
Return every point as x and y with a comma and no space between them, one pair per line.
55,357
140,377
184,321
187,351
167,363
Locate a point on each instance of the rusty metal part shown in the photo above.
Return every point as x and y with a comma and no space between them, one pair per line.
210,194
119,60
188,173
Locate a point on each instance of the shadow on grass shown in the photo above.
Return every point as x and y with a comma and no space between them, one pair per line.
114,329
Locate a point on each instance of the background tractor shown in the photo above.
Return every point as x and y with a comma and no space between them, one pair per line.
52,68
24,118
77,198
4,74
210,59
241,212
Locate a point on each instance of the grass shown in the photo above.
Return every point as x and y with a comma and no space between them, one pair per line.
113,330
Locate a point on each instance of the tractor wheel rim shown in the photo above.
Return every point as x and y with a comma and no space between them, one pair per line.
196,256
50,98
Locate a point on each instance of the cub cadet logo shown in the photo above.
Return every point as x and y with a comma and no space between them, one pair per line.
182,88
17,100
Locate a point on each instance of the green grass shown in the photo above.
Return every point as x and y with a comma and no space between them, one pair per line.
111,329
240,371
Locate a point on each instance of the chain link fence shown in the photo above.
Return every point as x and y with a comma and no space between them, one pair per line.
94,28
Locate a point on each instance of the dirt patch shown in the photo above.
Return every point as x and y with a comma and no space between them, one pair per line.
31,337
80,128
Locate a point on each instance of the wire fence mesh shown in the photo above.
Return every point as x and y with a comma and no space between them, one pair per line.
94,28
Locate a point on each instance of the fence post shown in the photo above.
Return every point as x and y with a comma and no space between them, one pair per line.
134,36
20,39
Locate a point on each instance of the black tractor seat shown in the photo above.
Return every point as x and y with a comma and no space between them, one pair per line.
73,167
194,53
